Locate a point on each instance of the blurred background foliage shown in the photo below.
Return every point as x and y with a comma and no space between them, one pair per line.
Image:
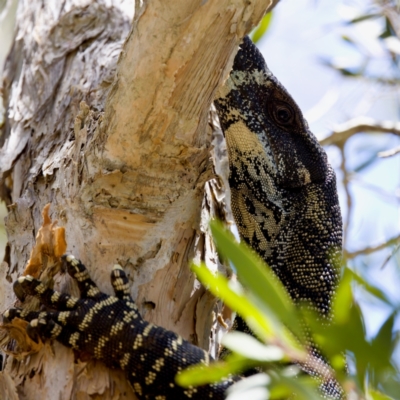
340,61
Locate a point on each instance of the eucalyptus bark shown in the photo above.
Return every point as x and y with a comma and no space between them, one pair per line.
108,120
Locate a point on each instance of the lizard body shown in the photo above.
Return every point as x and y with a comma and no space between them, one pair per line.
285,205
283,191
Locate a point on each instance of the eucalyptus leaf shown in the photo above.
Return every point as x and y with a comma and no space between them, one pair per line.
364,17
303,387
256,276
261,28
255,393
219,286
215,372
375,291
343,299
246,388
266,327
384,343
375,395
249,347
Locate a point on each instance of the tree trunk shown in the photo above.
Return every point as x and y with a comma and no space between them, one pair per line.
107,120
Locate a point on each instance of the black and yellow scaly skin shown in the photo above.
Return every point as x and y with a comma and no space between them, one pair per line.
110,329
285,204
283,191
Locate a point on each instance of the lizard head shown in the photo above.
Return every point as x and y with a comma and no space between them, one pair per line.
255,109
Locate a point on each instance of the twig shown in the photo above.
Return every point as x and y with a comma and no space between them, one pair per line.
372,249
390,256
392,13
389,153
349,200
377,190
361,124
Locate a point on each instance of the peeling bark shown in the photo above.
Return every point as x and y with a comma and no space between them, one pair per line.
107,120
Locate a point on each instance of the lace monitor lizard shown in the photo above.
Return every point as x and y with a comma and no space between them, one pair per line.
286,208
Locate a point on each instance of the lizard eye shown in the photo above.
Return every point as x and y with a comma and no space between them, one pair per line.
282,113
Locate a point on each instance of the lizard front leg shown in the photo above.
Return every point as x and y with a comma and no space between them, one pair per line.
111,329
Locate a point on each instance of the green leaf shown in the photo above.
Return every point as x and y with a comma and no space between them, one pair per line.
348,40
274,385
304,388
384,342
261,28
342,335
343,299
382,348
368,287
390,384
389,30
249,347
218,285
254,388
375,395
266,327
364,18
201,374
257,277
348,72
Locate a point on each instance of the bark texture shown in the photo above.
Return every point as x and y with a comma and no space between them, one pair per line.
107,120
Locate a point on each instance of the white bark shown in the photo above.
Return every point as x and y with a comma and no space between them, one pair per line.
121,150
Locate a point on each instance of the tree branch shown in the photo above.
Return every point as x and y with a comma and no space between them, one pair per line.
360,125
389,153
372,249
111,128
